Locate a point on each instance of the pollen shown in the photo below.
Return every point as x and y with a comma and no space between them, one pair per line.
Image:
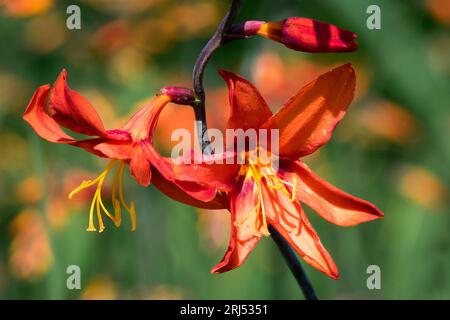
117,199
265,175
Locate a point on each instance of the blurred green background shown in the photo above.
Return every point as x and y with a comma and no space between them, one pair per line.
392,148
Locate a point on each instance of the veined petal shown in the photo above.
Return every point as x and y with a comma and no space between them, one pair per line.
73,111
308,35
142,124
140,166
290,221
37,117
243,227
329,202
175,192
192,188
308,119
248,108
212,172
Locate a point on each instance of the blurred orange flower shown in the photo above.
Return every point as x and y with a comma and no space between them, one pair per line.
423,187
25,8
30,252
46,33
390,121
29,190
165,292
440,10
101,288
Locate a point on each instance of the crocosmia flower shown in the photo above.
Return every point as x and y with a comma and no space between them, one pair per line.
129,145
261,193
301,34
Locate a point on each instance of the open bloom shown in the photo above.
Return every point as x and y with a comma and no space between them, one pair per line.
300,34
131,144
262,194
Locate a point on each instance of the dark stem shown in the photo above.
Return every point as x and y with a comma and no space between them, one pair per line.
294,264
217,40
213,44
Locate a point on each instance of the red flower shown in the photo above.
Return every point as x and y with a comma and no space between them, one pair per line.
260,194
131,144
301,34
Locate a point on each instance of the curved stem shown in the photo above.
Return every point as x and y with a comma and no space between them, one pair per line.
294,264
213,44
216,41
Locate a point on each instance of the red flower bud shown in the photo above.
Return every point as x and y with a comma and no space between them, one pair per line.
308,35
179,95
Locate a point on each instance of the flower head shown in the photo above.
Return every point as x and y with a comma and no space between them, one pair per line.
300,34
262,194
131,144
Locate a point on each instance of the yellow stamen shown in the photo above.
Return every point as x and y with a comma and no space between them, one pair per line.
97,202
259,172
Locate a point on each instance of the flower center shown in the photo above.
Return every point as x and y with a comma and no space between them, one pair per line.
264,175
97,202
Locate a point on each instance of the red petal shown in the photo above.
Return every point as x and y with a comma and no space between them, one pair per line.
290,221
242,239
308,35
308,119
73,111
37,117
119,151
330,202
314,36
173,191
212,172
248,109
140,166
142,124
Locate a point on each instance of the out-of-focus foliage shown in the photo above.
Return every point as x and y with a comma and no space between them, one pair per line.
392,148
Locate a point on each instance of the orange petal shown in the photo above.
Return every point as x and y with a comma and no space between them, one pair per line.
248,108
290,221
242,239
179,194
140,167
213,171
329,202
37,117
308,119
74,111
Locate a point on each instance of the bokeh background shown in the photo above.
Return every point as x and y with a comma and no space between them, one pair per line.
392,148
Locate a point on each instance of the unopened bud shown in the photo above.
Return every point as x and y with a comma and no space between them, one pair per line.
179,95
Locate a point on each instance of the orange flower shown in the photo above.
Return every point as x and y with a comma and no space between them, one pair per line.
260,194
30,253
25,8
130,145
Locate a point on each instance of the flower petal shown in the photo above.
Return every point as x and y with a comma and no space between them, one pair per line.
142,123
37,117
211,171
140,166
308,119
248,108
290,221
329,202
243,227
173,191
74,111
308,35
